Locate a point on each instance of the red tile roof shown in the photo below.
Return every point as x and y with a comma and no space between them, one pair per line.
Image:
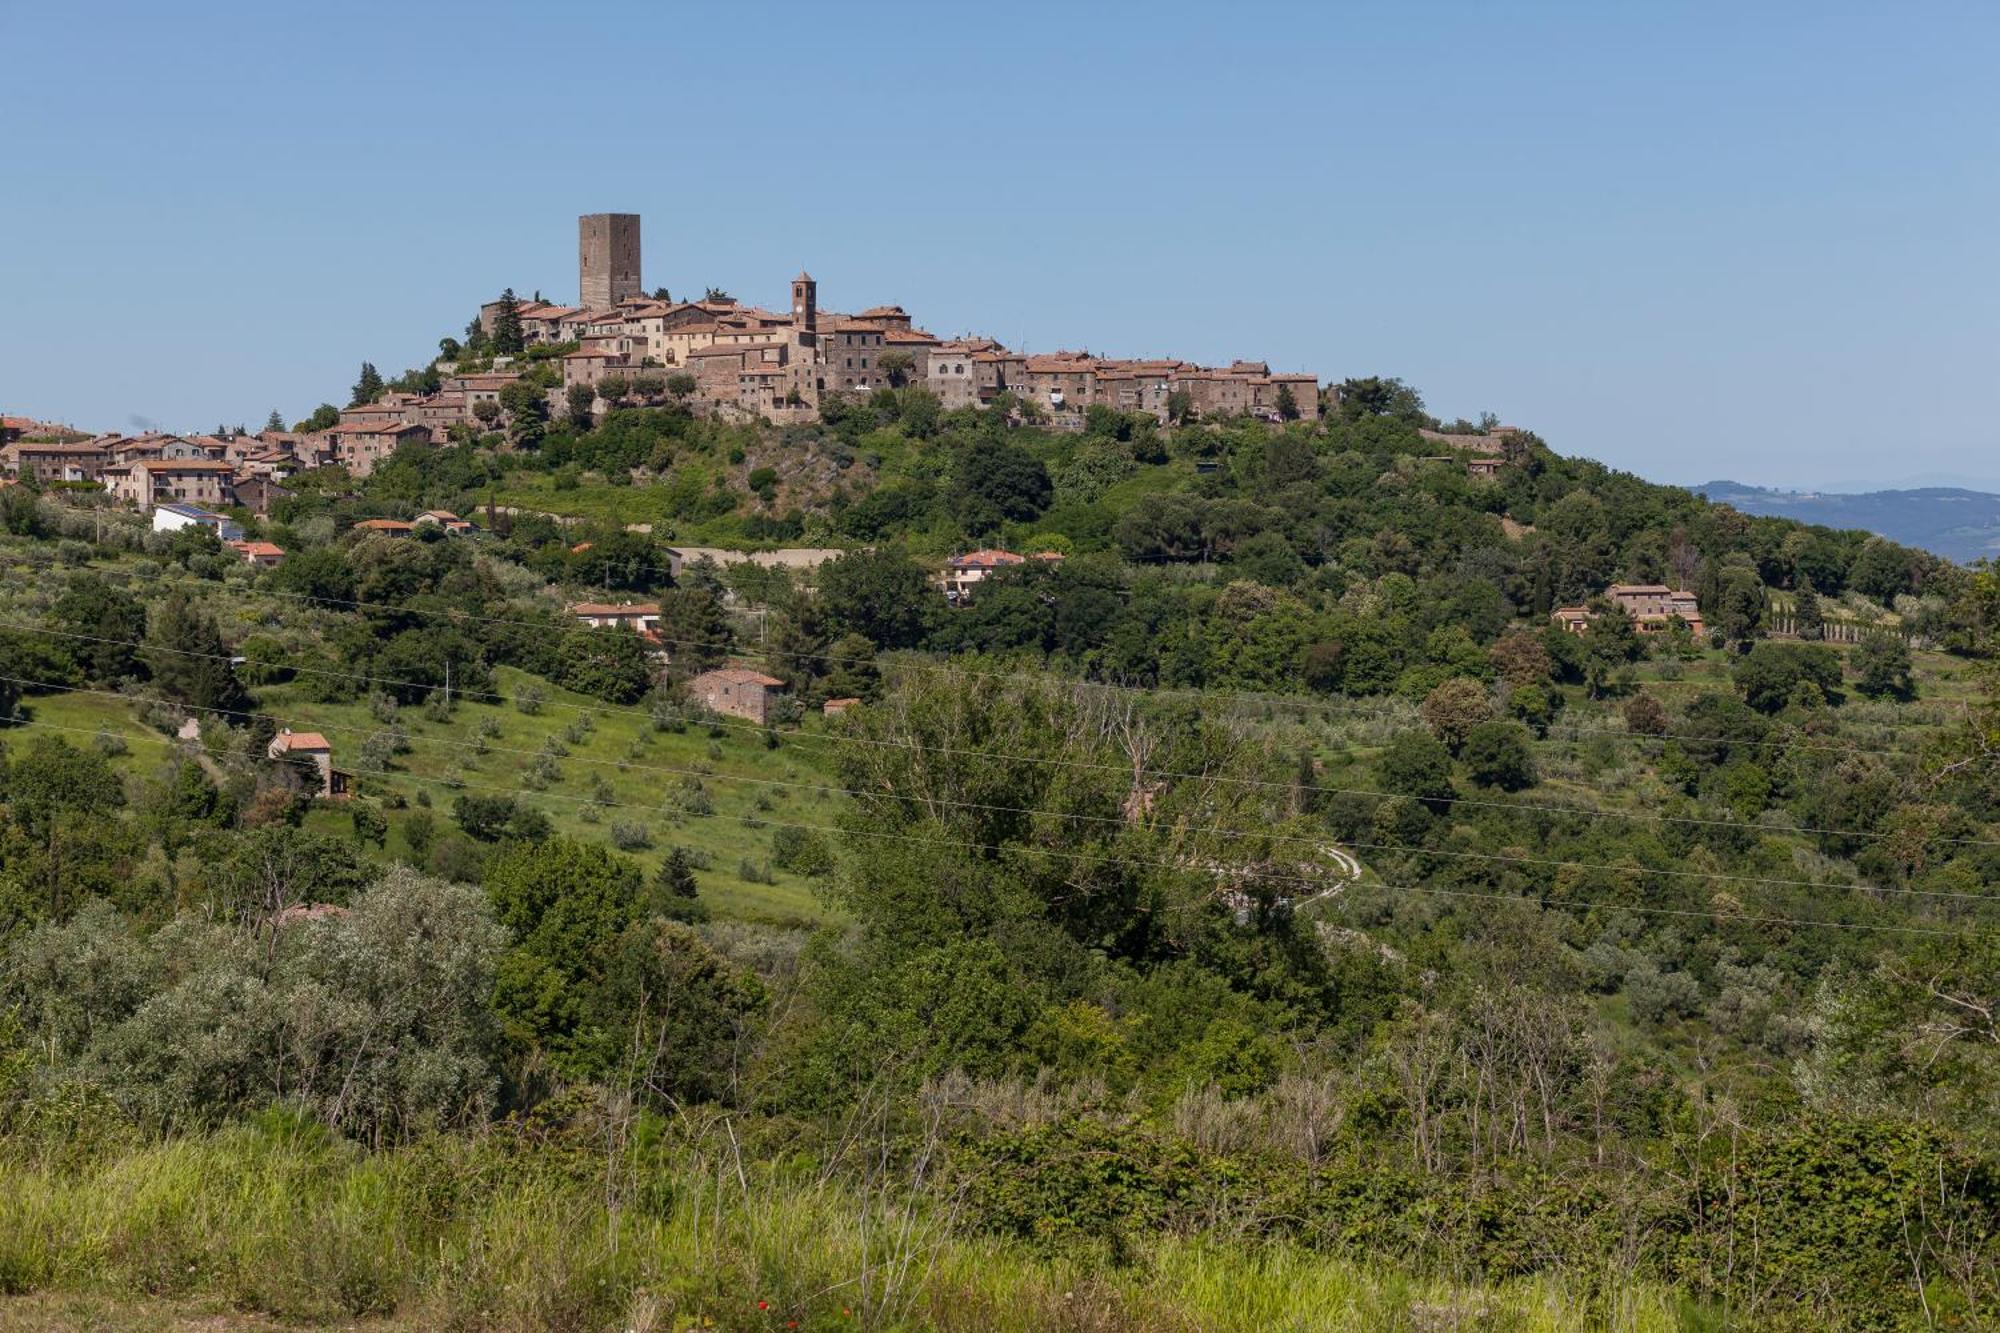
739,676
986,559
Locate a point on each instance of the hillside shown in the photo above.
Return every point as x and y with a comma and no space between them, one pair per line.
1256,910
1960,525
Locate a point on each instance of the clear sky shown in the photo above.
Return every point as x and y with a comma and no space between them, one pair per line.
1744,240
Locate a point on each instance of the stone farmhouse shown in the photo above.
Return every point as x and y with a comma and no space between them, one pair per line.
738,692
1653,608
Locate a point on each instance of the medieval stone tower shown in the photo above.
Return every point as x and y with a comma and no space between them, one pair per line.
607,258
805,303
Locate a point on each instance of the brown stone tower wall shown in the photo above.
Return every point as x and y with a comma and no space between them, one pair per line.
607,258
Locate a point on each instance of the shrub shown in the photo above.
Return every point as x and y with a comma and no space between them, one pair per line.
801,851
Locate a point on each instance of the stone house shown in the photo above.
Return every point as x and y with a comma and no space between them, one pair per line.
311,752
738,692
642,617
152,481
84,461
359,445
265,555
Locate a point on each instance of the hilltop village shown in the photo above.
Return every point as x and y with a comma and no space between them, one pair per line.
715,356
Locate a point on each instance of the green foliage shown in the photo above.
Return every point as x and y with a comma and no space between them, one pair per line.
1772,675
189,662
368,387
611,663
1883,667
1497,754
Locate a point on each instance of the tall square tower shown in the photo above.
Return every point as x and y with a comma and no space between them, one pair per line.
607,258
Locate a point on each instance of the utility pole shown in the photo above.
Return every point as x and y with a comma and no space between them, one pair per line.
447,684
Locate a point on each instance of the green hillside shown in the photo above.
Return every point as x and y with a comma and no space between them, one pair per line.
1266,914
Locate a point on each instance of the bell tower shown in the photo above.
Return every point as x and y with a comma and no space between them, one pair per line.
805,303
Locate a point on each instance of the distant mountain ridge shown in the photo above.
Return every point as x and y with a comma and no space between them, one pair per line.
1958,524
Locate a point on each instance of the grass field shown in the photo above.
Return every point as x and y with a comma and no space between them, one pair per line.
490,746
254,1227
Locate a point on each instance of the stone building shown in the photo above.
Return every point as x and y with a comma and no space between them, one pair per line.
738,692
607,258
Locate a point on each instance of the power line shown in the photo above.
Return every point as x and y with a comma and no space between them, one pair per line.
1278,876
1238,698
830,737
1320,843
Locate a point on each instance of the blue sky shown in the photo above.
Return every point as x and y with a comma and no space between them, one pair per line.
1754,241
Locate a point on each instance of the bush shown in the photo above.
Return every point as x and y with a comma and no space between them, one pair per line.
1497,754
629,836
801,851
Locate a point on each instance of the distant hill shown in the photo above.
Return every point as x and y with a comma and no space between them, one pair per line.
1958,524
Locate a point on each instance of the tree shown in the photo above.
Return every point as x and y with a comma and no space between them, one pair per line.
527,411
1180,407
1497,754
565,903
1455,708
1882,570
1288,405
318,573
1770,676
680,384
1645,716
497,818
675,890
368,387
921,413
695,628
719,295
580,398
1882,662
882,595
190,663
1811,617
996,482
1417,766
609,663
679,1009
508,339
486,411
274,423
324,417
1376,396
115,622
896,366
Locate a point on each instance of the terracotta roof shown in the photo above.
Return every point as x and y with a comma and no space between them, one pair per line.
908,336
383,525
184,465
301,740
606,609
257,548
375,428
739,676
986,559
80,448
882,312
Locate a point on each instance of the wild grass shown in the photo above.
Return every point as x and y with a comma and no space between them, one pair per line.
278,1220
